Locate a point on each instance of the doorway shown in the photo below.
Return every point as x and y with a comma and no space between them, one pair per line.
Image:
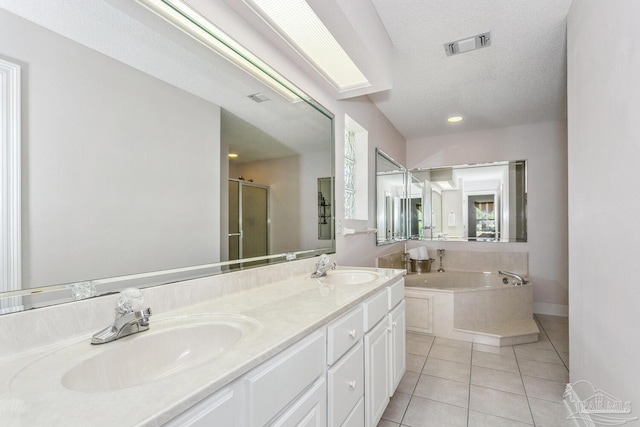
248,220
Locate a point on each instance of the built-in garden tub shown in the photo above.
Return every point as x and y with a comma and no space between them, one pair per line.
471,306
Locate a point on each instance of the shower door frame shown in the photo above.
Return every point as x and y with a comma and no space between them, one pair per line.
240,234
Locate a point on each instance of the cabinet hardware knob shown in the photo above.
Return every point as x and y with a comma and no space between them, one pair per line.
352,333
352,385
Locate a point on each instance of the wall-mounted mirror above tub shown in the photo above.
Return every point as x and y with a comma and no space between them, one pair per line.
391,199
478,202
127,124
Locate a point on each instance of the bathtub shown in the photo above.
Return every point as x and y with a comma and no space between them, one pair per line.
470,306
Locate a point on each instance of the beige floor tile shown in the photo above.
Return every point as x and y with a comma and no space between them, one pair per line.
498,380
561,345
564,355
500,403
553,326
504,351
452,343
549,414
543,343
557,335
415,362
544,370
544,389
447,369
538,354
429,413
420,337
548,318
397,407
494,361
387,423
443,390
408,382
478,419
418,346
454,354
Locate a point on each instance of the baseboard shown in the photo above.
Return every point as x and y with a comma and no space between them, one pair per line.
551,309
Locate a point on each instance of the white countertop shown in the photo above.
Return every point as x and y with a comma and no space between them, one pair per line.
31,392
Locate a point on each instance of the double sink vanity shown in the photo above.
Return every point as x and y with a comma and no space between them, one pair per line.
299,351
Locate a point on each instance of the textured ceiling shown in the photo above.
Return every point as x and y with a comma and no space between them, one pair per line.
520,78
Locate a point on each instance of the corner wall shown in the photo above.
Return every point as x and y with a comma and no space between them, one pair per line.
544,146
604,149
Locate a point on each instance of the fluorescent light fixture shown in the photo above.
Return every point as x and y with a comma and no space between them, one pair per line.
232,155
298,24
200,28
454,119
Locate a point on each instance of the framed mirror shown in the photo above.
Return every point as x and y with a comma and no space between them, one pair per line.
391,199
479,202
128,128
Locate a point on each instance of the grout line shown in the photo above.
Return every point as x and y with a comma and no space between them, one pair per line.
551,342
526,395
469,394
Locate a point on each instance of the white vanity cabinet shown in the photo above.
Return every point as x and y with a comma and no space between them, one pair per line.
397,345
340,375
274,385
345,376
216,409
384,344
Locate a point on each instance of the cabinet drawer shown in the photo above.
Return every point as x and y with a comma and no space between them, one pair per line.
346,385
343,333
375,308
396,293
310,410
217,408
356,417
272,386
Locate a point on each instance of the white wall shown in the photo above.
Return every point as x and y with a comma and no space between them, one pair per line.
108,187
604,149
544,145
361,249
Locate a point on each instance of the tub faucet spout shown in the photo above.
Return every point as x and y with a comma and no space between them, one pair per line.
517,279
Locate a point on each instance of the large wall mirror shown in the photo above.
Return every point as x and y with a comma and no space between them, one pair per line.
391,199
479,202
472,203
127,127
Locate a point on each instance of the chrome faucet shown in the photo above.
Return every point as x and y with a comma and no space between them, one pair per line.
129,318
322,266
517,279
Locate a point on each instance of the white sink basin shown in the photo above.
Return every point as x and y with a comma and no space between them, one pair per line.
170,346
348,277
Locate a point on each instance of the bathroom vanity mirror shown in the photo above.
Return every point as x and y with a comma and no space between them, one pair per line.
127,127
479,202
391,199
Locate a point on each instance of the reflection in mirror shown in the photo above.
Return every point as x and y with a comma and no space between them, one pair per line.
480,202
127,125
391,199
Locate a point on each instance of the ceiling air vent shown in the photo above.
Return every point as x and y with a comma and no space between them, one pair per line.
468,44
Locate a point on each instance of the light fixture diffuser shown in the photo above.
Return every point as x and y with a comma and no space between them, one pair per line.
200,28
296,22
454,119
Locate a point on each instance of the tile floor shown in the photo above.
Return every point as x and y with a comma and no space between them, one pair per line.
455,383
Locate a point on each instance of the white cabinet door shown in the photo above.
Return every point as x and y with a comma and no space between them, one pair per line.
397,347
310,410
215,410
376,372
276,383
